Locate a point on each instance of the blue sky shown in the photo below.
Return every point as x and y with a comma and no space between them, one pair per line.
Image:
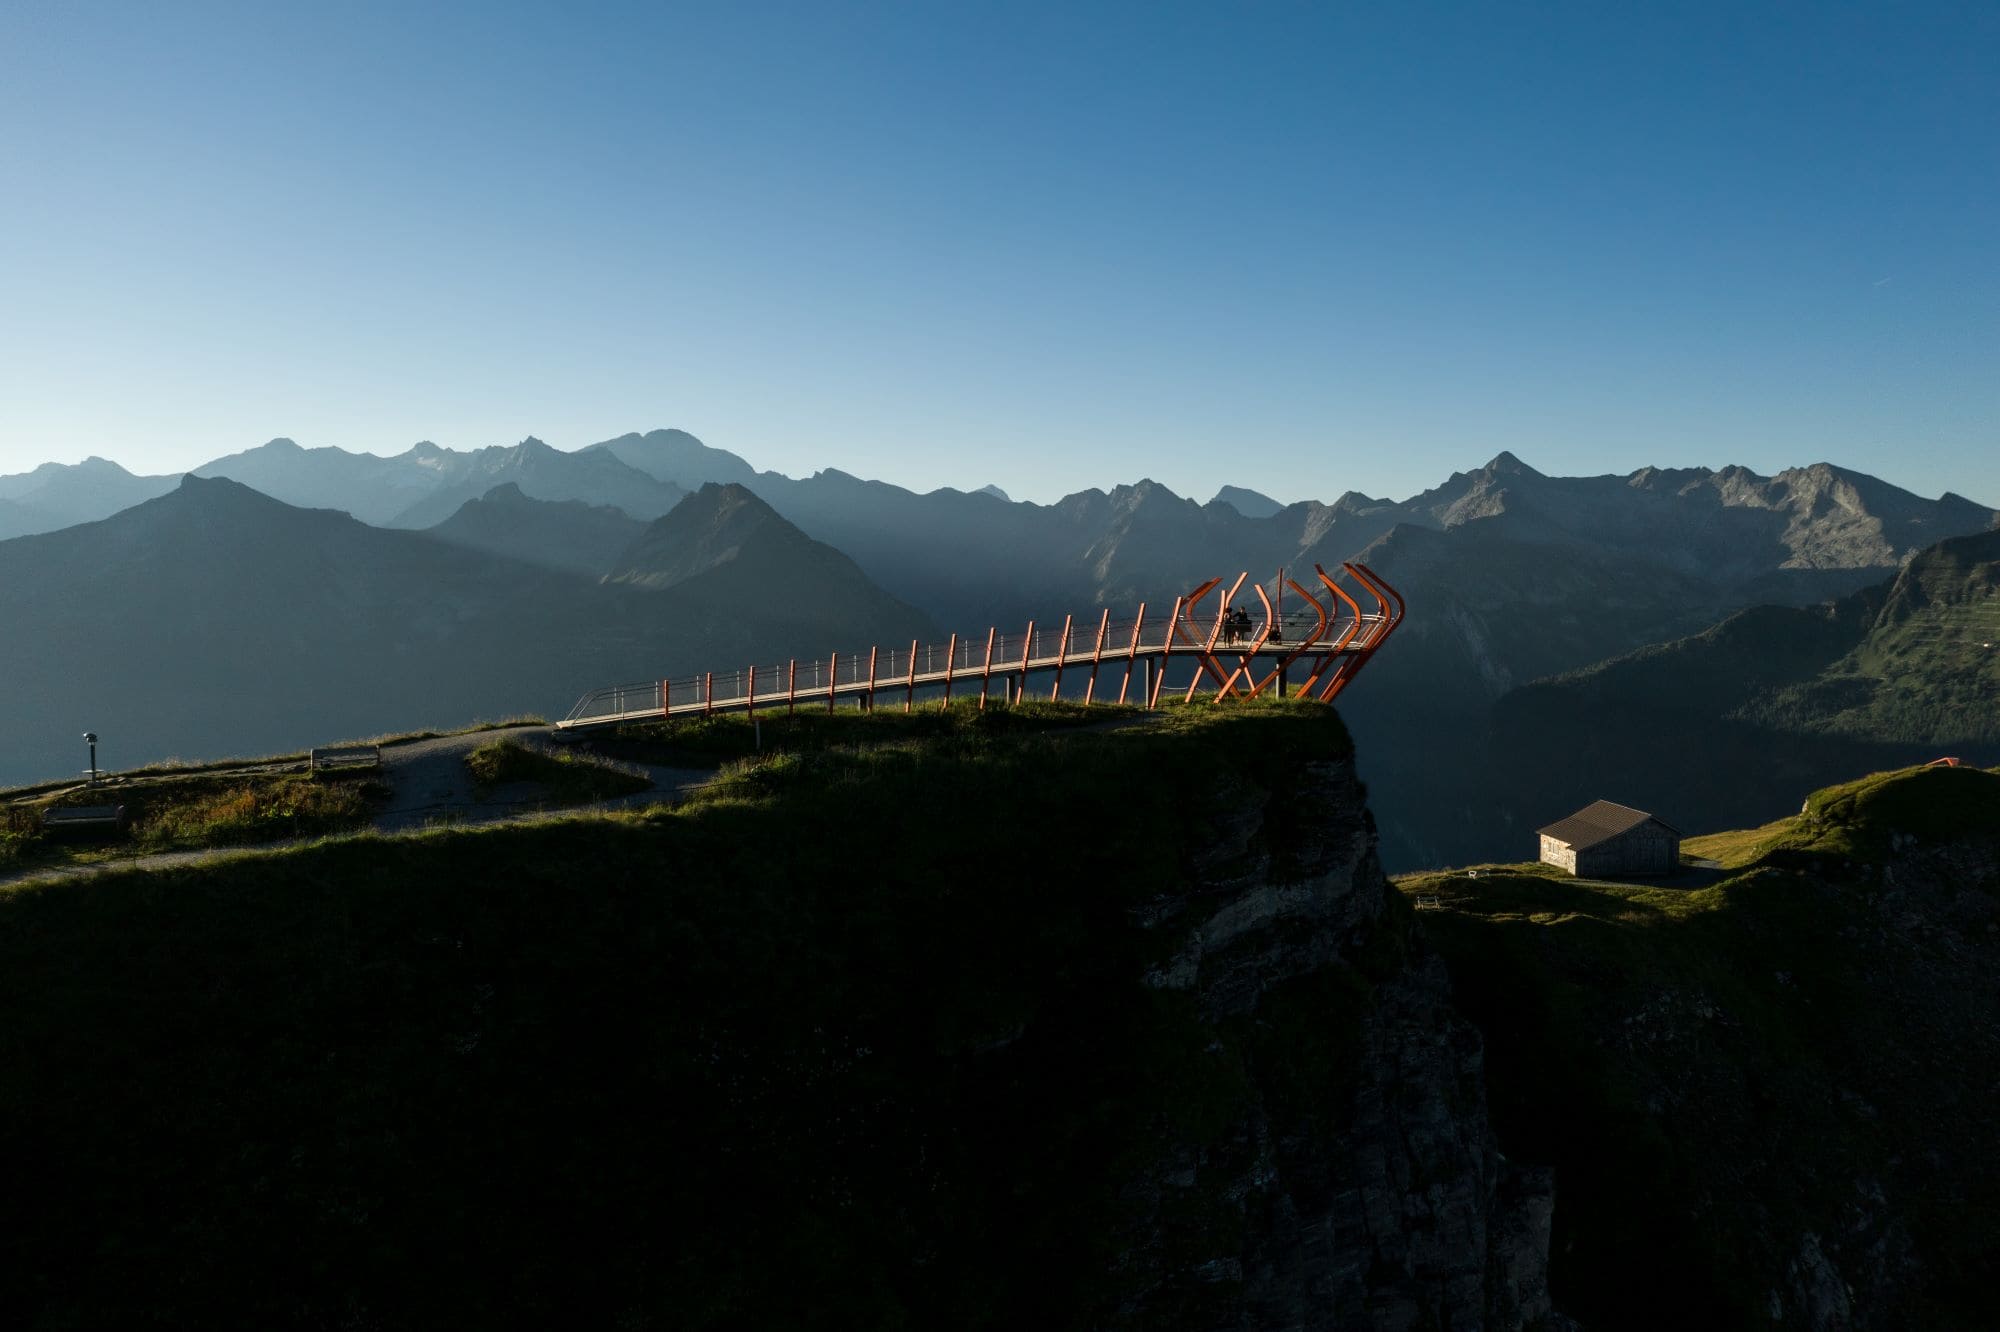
1304,248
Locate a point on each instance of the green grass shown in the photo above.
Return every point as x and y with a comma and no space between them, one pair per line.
174,767
1740,846
1715,1071
711,741
571,779
854,1039
194,811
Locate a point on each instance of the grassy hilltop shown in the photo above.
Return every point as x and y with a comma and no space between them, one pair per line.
851,1039
1770,1095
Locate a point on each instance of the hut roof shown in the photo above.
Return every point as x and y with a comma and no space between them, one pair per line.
1600,822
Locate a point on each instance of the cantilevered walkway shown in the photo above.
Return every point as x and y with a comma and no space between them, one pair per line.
1239,647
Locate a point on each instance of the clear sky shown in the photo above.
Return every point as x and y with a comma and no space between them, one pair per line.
1303,248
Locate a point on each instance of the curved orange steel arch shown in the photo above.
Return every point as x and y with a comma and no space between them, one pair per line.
1305,643
1385,623
1332,655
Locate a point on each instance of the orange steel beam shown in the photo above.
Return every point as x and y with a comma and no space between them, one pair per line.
1205,655
1383,584
1166,646
1184,608
1096,655
666,698
1385,625
986,674
950,666
910,697
1062,655
792,687
1243,670
871,678
1332,655
750,703
1132,655
1351,665
1027,651
708,693
832,679
1305,643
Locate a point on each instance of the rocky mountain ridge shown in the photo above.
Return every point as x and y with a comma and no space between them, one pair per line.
216,620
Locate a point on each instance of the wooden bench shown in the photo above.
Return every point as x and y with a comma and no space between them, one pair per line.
346,756
84,819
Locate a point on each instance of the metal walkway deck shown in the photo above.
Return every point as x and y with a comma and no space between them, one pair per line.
1331,642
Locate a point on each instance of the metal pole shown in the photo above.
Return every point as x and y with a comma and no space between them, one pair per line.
1062,655
1027,651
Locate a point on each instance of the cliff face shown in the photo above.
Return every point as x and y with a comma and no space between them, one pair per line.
955,1020
1770,1100
1361,1186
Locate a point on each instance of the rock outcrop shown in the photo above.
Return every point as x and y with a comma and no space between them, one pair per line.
1363,1188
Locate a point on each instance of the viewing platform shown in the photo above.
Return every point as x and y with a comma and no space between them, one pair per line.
1241,647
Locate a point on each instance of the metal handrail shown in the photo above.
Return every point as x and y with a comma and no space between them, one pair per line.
957,659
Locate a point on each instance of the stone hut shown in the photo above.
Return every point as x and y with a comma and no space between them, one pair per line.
1609,841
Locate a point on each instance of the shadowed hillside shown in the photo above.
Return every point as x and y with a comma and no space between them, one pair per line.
1769,1101
1724,724
216,620
679,1069
555,534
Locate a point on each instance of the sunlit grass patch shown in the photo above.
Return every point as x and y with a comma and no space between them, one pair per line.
570,778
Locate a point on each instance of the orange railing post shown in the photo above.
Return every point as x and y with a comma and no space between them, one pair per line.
791,686
1062,654
910,698
1027,651
1159,679
871,678
986,674
1096,655
1132,654
950,668
832,679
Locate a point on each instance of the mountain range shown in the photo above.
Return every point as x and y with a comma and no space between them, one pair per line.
216,620
1731,722
1512,576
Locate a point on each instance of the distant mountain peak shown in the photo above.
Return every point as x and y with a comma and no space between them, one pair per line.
719,524
1249,503
1504,463
995,492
